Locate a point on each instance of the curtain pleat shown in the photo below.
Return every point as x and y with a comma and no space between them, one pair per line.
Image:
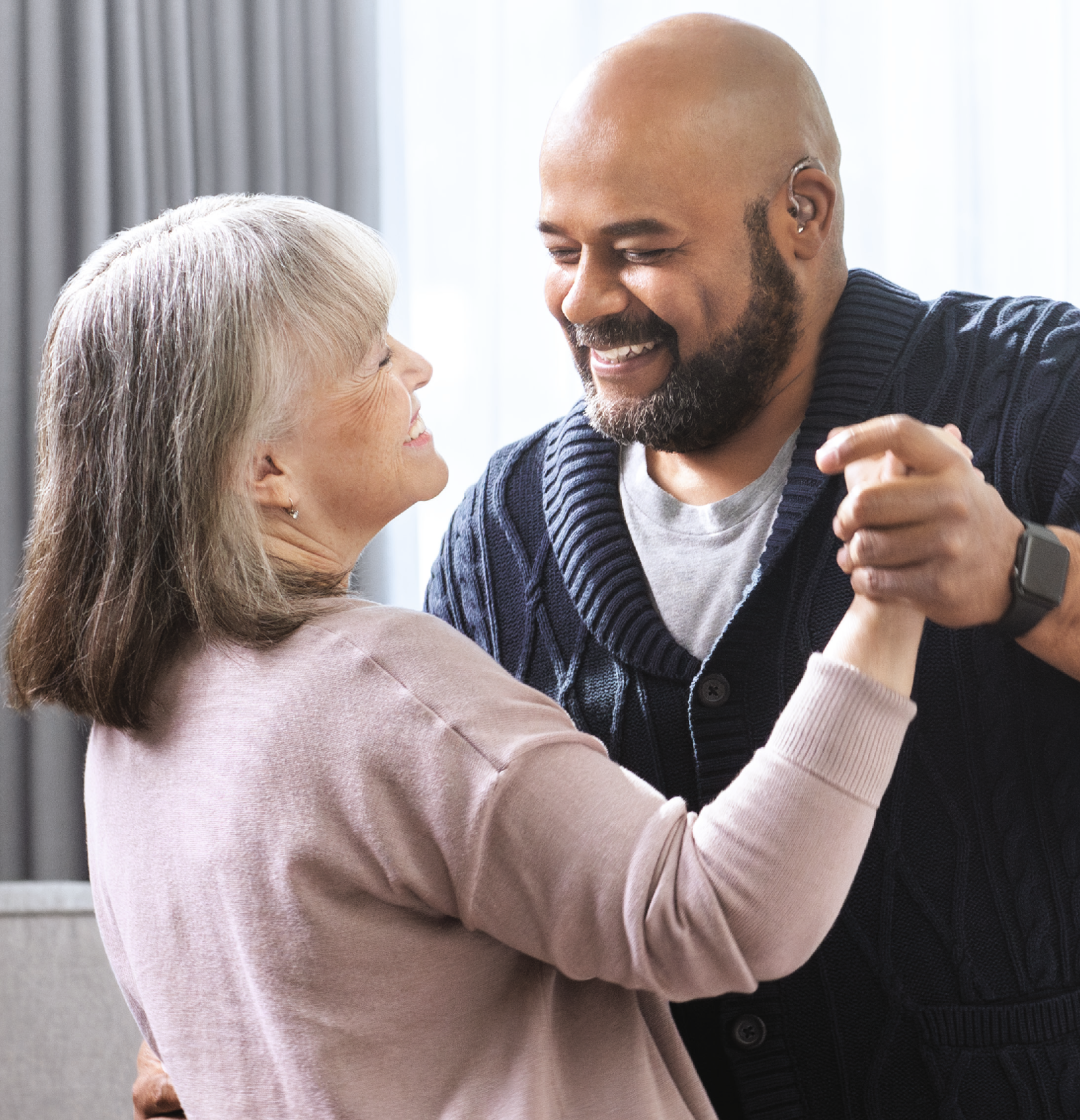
89,181
268,97
111,111
13,435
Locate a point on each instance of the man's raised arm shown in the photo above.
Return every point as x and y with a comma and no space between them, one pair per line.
938,535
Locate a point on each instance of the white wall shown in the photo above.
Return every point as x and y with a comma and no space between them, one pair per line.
959,121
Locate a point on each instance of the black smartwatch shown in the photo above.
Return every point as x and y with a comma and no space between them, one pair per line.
1037,580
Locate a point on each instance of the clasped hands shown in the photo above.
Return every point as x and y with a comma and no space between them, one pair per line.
919,522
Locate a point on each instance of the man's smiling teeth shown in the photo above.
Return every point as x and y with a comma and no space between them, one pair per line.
418,428
621,353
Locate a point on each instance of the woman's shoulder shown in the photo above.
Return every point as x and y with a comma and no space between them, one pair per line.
407,640
421,661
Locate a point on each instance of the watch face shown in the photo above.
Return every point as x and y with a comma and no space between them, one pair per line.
1043,568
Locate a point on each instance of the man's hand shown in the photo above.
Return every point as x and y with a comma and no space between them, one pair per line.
153,1093
920,521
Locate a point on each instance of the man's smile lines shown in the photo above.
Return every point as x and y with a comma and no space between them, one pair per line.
621,353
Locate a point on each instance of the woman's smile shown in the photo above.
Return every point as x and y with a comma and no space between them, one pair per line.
417,431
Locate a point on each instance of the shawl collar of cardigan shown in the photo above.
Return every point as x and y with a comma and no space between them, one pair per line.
871,327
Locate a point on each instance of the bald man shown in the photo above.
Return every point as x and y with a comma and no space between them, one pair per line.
663,560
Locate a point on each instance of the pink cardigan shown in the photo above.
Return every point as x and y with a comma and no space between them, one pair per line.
366,873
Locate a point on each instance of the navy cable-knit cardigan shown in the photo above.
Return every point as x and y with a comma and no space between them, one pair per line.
950,985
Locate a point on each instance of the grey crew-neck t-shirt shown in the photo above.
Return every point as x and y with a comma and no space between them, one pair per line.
699,561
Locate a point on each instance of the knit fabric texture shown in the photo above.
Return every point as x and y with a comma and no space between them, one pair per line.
950,985
365,873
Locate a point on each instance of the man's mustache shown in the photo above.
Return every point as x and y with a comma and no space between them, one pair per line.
619,330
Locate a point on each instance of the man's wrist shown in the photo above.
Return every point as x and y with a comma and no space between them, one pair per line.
1037,581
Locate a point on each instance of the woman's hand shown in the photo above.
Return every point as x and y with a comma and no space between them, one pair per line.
936,534
153,1093
879,638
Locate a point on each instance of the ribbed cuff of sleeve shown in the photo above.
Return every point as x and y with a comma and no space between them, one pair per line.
844,727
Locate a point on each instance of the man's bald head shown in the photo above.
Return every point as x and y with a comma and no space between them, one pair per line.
706,88
696,256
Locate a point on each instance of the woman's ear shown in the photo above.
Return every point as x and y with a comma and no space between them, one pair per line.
268,481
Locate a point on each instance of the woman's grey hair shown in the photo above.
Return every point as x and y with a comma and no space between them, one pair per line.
175,349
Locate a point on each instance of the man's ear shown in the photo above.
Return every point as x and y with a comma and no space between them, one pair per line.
267,480
810,205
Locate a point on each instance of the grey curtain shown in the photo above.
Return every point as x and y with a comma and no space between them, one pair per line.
111,111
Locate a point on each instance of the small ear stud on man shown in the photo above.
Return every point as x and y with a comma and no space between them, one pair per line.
799,206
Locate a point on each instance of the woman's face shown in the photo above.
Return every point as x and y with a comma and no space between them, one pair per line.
359,454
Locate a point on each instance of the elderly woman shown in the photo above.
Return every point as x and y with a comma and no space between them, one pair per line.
344,865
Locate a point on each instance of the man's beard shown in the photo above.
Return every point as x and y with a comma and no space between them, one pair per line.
705,399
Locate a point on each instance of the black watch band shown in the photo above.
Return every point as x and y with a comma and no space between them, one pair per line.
1037,580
